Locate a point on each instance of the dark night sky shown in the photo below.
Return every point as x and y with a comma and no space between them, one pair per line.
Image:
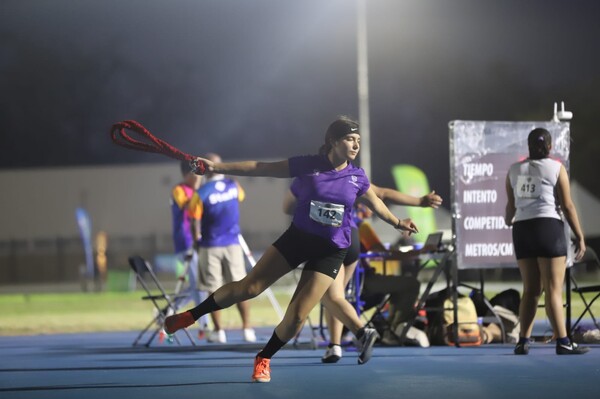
263,78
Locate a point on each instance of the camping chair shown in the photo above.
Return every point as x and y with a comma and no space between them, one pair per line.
572,286
164,303
376,250
590,256
361,303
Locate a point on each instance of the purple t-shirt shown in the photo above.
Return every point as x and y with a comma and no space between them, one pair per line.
325,197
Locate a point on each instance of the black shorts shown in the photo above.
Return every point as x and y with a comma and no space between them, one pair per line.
354,248
320,254
539,238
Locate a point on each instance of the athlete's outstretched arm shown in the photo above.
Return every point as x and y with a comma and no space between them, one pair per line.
249,168
396,197
381,210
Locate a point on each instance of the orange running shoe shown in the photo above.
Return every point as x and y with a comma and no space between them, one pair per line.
178,321
262,370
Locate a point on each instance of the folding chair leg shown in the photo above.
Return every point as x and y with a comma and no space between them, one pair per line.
141,267
143,332
587,309
154,334
379,312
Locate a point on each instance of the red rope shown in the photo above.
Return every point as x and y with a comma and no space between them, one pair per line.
119,135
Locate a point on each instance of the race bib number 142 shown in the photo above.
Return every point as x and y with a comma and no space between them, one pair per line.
326,213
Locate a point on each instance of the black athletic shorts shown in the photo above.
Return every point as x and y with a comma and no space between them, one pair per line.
354,248
539,238
320,254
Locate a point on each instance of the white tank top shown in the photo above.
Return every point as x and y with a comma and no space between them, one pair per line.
534,186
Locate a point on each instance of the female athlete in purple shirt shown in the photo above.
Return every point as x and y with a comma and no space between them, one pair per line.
319,235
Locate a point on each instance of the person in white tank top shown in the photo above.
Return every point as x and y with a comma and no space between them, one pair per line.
539,196
533,182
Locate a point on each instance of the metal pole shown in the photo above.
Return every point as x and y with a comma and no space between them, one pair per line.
363,87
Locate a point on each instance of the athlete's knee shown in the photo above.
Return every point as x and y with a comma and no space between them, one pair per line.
331,297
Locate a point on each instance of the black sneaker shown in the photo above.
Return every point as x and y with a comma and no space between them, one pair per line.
522,348
571,349
365,345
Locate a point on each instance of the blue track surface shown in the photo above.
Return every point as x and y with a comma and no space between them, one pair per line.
105,365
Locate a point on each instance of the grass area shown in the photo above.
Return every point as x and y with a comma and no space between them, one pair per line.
31,314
